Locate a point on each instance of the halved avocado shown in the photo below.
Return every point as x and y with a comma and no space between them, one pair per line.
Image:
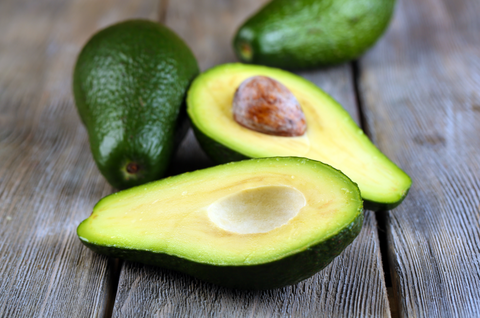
253,224
332,136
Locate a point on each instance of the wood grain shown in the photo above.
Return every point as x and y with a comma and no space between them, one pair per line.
352,286
420,91
48,180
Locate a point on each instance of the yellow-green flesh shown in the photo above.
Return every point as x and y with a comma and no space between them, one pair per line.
332,136
304,202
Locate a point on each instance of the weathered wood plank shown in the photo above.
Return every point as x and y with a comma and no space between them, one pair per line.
48,181
352,286
420,90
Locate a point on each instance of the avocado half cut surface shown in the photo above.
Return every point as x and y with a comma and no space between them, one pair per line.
331,136
252,224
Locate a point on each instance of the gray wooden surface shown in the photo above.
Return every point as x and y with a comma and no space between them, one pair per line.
420,88
419,93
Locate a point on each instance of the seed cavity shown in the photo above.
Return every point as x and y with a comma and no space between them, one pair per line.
265,105
257,210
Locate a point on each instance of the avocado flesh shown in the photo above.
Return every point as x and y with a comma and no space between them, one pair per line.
332,136
310,33
129,84
169,223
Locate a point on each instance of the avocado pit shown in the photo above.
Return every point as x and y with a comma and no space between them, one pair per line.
257,210
265,105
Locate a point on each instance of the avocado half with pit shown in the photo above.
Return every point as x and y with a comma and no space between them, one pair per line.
253,224
331,135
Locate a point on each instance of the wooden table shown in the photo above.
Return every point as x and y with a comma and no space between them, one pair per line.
416,93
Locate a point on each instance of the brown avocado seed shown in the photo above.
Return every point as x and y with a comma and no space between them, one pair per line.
264,105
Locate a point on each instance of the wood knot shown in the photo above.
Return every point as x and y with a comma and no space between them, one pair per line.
430,140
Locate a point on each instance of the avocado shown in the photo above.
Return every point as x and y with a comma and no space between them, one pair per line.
311,33
252,224
331,135
129,84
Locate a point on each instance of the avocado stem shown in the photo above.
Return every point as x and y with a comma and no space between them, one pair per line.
246,51
133,167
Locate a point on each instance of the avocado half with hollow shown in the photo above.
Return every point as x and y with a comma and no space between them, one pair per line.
331,135
253,224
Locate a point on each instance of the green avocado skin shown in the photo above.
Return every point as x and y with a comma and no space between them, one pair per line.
129,84
279,273
300,34
219,153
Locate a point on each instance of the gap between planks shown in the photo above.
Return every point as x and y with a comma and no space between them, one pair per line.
117,264
380,215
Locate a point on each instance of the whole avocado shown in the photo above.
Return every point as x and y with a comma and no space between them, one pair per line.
129,85
300,34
